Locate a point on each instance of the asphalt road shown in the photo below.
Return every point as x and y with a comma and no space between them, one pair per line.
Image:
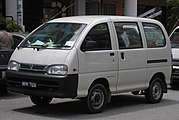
122,107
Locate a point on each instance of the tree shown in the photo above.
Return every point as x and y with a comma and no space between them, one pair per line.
11,25
173,19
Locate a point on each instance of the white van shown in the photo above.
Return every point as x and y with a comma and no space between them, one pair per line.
92,58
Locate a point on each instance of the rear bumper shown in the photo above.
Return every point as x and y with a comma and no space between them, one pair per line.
46,85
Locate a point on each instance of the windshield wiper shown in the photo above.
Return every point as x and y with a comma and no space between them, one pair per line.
60,46
22,46
32,46
38,47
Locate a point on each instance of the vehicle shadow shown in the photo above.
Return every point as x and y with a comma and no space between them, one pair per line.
75,109
176,88
10,95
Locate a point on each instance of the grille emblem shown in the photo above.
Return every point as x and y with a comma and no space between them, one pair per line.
31,66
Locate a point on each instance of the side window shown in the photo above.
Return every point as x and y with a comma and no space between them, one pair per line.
154,35
128,35
98,38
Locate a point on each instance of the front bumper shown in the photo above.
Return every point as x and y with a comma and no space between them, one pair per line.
46,85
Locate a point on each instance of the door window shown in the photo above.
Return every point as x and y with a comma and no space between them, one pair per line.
154,35
128,35
98,38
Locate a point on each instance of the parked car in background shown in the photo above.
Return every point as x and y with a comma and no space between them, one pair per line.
174,38
18,37
5,54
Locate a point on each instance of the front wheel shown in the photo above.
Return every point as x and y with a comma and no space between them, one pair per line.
154,93
97,98
37,100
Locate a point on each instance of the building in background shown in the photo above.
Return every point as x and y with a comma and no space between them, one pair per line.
2,7
31,13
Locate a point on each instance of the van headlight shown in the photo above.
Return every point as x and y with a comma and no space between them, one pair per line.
60,70
13,65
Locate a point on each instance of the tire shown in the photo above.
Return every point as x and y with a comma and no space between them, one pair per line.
37,100
154,93
96,99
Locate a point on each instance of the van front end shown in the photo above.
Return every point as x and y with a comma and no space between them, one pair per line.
31,79
46,73
45,63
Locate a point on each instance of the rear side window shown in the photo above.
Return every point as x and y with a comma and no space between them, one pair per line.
154,35
128,35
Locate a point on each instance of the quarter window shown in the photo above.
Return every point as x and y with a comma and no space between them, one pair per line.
154,35
128,35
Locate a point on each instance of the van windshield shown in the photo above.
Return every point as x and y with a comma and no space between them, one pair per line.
54,36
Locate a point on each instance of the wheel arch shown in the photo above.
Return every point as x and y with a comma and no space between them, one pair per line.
105,83
162,77
102,81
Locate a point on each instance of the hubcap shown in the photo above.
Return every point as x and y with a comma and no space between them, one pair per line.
97,99
156,91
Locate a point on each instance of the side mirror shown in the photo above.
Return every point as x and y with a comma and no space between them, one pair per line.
89,45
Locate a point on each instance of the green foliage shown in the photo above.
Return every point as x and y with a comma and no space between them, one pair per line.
173,19
11,25
172,2
2,19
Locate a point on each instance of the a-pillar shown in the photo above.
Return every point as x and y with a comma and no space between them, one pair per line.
130,8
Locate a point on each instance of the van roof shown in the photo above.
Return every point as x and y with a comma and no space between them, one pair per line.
89,19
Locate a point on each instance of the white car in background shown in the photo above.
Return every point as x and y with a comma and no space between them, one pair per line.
5,54
174,38
18,37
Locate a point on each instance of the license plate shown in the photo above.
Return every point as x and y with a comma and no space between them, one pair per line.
29,84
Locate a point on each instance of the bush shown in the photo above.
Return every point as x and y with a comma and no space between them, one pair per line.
173,19
11,25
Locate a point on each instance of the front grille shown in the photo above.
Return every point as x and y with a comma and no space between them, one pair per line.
32,67
42,82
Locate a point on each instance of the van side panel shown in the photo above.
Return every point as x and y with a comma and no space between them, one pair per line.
132,70
158,54
97,64
94,65
131,56
72,61
157,63
86,79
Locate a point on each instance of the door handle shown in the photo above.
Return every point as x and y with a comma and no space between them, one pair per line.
112,54
122,56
